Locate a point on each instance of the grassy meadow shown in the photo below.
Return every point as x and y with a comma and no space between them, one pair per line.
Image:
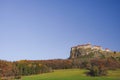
73,74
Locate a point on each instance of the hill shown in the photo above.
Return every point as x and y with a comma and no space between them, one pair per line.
91,51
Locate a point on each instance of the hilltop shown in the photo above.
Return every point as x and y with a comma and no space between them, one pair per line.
92,51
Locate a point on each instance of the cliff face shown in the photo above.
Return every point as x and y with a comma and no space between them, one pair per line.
88,49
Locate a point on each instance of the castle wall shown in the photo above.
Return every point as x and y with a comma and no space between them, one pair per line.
81,50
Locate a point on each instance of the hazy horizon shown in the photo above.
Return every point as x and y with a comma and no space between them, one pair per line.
47,29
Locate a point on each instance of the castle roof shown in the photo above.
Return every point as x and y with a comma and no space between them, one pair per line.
96,46
81,45
84,45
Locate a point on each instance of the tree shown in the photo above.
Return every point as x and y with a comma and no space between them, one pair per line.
97,68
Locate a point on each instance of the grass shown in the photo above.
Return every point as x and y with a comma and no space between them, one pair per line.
72,74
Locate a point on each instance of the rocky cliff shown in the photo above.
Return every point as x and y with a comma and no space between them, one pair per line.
88,49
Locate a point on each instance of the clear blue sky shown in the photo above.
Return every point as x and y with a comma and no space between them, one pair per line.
47,29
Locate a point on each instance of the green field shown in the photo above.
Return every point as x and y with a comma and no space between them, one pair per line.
72,74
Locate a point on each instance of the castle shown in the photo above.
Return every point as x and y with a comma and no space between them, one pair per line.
85,49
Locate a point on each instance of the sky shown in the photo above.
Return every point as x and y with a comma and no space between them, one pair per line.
47,29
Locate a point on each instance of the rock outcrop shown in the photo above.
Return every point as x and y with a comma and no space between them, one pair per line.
87,49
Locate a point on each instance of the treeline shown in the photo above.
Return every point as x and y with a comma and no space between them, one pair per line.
96,66
29,67
57,63
9,70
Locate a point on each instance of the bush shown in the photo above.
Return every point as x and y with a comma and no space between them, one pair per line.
96,70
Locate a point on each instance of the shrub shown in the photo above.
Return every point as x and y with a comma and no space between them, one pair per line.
96,70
